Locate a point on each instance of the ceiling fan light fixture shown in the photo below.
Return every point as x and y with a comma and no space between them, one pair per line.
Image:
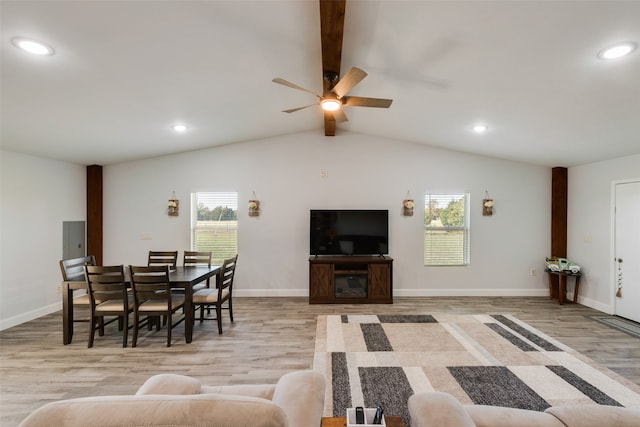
617,51
330,104
32,46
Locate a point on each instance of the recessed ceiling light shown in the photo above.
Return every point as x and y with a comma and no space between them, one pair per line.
179,128
32,46
617,51
480,128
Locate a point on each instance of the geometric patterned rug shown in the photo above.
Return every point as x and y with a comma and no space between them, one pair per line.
381,360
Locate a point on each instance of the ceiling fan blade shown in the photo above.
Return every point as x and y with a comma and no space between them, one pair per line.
293,110
331,32
348,81
340,116
359,101
292,85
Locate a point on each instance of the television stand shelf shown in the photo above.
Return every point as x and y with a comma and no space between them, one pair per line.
350,280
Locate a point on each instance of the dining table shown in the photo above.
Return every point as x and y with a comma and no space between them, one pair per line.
179,277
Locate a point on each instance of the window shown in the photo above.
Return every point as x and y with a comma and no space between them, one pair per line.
446,229
214,224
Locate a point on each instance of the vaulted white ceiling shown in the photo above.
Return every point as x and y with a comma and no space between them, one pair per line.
124,72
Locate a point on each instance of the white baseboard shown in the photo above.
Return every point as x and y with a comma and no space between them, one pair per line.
406,292
30,315
470,292
605,308
271,293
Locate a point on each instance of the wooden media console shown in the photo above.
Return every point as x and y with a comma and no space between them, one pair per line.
350,279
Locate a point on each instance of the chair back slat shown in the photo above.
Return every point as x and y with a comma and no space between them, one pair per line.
73,269
106,283
151,283
192,258
227,273
163,258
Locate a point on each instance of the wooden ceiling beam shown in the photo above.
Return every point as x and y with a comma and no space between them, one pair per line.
331,32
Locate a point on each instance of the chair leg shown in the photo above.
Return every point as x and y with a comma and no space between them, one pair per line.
92,331
219,315
101,323
202,313
136,321
125,328
230,308
169,327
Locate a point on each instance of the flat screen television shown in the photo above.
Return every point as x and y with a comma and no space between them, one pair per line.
349,232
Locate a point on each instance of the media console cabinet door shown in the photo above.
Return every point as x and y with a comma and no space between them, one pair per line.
379,281
321,283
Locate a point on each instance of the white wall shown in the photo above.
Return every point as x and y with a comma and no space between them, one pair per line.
589,237
37,195
363,172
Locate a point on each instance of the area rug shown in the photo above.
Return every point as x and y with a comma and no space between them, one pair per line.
381,360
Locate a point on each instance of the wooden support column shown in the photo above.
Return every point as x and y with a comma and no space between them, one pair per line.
94,212
559,190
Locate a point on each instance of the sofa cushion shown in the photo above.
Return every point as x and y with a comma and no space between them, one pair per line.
496,416
263,391
436,409
203,410
596,416
170,384
301,395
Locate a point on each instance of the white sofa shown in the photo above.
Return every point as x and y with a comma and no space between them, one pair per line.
436,409
297,400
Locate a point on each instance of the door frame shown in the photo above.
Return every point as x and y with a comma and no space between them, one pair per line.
612,247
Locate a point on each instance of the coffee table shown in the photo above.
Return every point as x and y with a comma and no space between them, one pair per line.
342,421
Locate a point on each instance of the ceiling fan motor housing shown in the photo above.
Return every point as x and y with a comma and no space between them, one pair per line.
331,77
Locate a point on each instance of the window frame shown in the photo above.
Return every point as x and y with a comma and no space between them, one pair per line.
213,199
431,260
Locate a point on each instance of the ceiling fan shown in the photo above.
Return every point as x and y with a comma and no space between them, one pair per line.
335,89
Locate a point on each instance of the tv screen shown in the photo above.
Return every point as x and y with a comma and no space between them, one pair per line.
349,232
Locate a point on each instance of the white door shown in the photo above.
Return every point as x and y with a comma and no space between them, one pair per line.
627,250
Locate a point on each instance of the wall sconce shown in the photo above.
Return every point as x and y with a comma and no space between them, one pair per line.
487,205
173,206
407,206
254,206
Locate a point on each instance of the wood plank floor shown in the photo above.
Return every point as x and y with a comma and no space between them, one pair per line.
270,336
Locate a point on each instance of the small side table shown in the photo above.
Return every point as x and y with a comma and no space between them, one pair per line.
342,421
560,292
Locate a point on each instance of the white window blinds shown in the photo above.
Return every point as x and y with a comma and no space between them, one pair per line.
446,229
214,224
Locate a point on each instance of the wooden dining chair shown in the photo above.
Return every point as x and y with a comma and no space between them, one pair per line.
163,258
73,271
154,298
218,296
195,258
108,296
